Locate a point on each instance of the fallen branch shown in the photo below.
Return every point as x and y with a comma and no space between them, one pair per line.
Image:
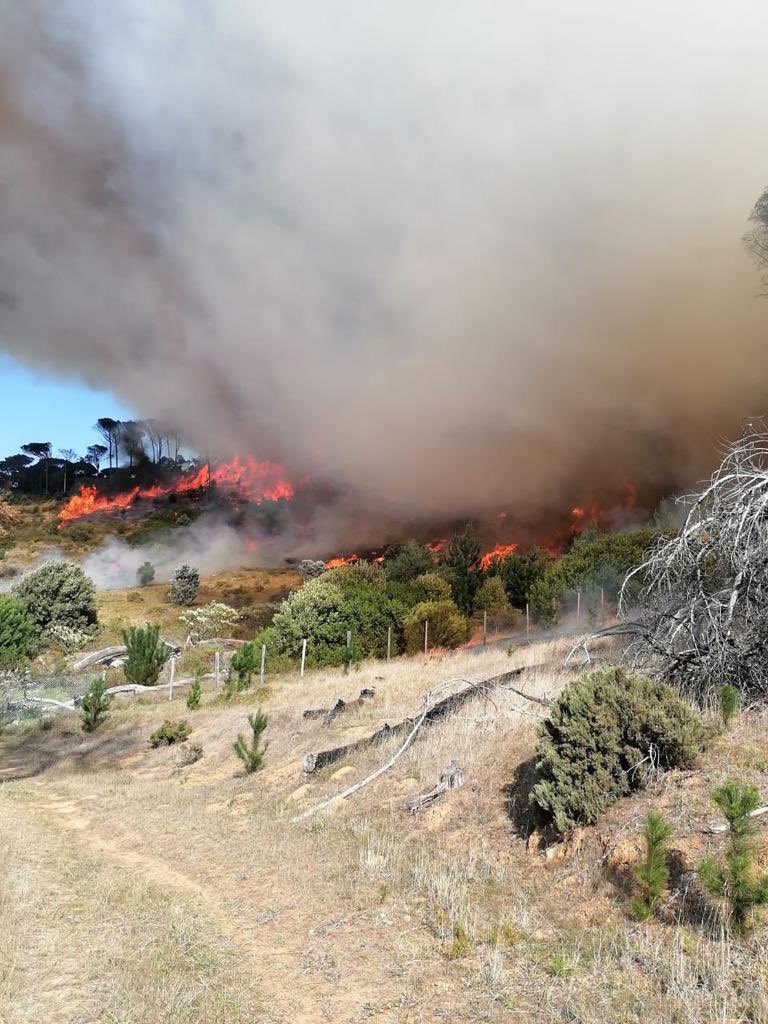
450,778
316,761
340,707
109,653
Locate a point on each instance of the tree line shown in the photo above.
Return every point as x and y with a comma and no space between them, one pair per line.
36,469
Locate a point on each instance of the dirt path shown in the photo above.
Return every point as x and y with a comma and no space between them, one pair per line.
300,978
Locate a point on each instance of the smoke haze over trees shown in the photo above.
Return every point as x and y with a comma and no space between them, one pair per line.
450,258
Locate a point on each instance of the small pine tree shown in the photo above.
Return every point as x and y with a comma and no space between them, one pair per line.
146,654
252,755
244,662
736,881
195,695
95,705
184,585
17,632
145,574
653,872
728,698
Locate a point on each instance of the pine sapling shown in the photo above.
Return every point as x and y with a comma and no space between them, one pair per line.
737,881
653,872
728,698
146,654
252,755
95,705
195,695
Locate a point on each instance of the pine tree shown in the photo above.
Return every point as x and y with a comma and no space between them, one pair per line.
252,755
146,654
728,697
736,880
195,695
653,872
145,574
184,585
95,705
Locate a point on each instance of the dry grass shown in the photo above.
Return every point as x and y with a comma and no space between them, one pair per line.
367,913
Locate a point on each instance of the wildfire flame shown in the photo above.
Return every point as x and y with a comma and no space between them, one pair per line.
496,554
335,563
248,478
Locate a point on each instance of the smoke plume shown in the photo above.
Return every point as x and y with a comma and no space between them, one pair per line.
452,257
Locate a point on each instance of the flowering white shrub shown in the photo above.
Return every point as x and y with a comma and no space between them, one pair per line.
67,638
212,620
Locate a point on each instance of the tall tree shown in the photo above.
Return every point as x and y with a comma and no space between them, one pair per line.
110,431
40,450
131,440
95,453
463,562
13,468
70,456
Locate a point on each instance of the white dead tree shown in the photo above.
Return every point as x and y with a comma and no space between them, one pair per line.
703,595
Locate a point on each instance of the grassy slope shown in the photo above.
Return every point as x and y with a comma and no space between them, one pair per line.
366,914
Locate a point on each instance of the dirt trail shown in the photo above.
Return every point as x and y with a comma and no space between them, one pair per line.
300,983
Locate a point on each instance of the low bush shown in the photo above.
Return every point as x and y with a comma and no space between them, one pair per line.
17,632
146,654
251,753
189,754
184,585
95,705
737,880
58,592
607,733
169,733
209,622
195,695
447,627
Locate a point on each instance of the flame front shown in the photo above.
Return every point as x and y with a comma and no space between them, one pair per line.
248,478
497,554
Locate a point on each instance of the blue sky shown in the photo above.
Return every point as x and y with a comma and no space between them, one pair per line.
37,407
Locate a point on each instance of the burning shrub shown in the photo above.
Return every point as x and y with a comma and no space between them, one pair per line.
184,585
210,621
17,632
447,627
607,733
58,592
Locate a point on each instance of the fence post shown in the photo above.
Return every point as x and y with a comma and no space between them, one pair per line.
578,606
485,627
349,639
426,636
263,659
216,668
389,642
171,675
303,654
527,619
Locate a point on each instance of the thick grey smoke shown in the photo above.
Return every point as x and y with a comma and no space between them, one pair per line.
455,257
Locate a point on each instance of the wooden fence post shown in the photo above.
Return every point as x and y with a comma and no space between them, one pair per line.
263,660
303,654
171,676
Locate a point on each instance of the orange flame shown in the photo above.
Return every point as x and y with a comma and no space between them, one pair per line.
497,554
252,480
335,563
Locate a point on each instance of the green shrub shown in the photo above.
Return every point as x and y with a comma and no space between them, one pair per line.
430,587
252,753
58,592
184,585
244,662
462,561
195,695
737,880
728,699
407,562
492,598
447,627
169,733
519,572
95,705
606,733
146,654
145,574
17,632
210,622
653,872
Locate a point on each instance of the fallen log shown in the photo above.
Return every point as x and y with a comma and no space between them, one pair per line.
340,707
108,653
314,762
712,830
450,778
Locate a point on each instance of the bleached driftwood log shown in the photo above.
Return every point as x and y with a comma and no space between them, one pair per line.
451,777
107,654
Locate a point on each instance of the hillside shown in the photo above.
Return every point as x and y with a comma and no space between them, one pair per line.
138,890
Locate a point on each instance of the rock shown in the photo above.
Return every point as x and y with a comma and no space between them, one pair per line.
300,793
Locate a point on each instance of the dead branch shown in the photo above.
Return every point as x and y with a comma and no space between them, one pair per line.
711,830
450,778
340,707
